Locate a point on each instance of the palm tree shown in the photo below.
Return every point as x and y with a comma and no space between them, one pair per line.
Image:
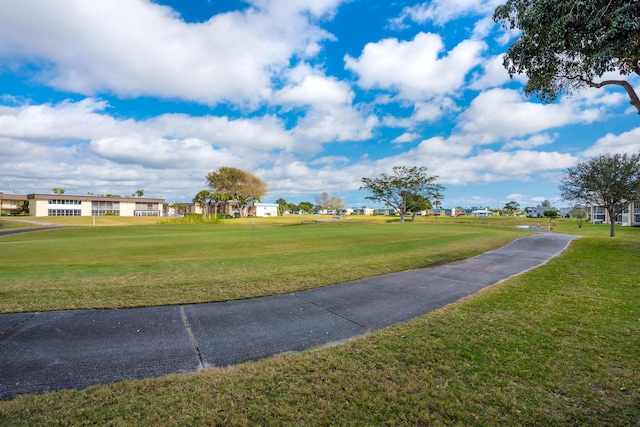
217,197
202,198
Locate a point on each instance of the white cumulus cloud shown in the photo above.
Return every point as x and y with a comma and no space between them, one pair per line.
626,142
418,69
135,47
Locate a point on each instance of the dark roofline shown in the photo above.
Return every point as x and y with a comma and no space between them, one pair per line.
12,196
92,198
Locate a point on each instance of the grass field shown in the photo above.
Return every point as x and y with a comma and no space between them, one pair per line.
128,266
555,346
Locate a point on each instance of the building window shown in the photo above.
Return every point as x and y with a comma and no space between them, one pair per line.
146,213
65,212
599,214
105,208
64,202
104,212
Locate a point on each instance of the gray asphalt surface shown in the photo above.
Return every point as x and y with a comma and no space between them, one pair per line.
50,351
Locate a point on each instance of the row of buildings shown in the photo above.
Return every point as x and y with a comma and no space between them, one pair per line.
43,205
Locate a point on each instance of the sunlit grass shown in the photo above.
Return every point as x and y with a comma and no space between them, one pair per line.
128,266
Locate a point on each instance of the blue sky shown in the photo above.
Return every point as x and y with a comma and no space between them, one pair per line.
111,96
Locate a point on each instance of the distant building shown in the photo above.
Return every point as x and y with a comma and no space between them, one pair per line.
482,213
538,211
363,211
9,203
453,212
565,212
181,208
630,215
69,205
263,209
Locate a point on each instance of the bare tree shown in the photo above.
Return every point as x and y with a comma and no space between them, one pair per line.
322,201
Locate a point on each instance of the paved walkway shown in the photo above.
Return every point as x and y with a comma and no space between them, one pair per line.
49,351
42,226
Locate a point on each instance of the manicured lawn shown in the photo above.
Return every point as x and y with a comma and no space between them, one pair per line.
12,223
126,266
555,346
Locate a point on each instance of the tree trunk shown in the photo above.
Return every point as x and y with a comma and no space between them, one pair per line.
612,220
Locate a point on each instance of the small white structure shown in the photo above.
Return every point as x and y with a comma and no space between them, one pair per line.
264,209
482,213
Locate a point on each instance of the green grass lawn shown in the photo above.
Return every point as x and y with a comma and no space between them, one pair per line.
557,345
127,266
13,223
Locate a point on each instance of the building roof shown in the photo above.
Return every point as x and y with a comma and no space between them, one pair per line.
13,196
92,198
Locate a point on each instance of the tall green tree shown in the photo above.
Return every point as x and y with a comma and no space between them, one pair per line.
396,189
567,45
58,190
243,187
282,206
511,207
306,207
417,203
607,180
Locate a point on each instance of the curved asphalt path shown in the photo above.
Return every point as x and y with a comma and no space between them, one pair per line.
50,351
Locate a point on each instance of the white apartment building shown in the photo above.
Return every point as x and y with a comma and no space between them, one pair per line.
69,205
630,215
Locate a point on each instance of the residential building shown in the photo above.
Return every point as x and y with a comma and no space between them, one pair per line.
629,216
482,213
565,212
453,212
181,208
69,205
9,203
363,211
538,211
